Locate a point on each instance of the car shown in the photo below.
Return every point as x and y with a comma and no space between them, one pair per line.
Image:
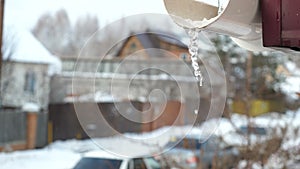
240,136
194,152
106,160
253,130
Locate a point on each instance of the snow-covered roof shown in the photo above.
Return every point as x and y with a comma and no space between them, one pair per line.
98,96
28,49
31,107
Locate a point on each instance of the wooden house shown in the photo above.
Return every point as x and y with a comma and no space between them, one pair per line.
145,45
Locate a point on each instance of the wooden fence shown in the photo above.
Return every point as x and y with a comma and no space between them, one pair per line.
64,124
13,129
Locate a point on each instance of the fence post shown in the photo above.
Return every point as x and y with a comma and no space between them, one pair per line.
31,129
32,110
50,132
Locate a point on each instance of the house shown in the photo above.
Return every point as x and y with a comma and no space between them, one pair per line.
147,70
154,51
25,80
26,71
145,43
157,63
77,96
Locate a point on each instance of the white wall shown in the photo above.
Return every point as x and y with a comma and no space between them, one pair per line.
13,82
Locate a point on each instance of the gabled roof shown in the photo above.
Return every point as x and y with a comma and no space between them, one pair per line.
172,39
147,40
150,39
28,49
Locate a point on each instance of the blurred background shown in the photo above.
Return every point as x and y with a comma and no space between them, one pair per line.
117,76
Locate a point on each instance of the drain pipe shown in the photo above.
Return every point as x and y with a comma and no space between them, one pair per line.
239,19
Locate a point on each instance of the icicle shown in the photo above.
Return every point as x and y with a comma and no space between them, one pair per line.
193,49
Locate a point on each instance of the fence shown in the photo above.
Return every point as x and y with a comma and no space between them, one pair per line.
13,128
64,123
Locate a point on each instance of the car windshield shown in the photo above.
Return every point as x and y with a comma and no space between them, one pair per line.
97,163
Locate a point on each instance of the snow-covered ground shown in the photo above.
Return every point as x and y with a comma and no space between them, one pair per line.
47,158
65,154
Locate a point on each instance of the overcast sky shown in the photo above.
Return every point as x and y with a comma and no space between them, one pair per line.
25,13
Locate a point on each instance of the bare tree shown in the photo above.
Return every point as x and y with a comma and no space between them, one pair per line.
54,32
85,39
251,81
10,42
58,35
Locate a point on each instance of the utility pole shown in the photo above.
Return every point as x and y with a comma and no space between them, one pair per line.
1,32
1,40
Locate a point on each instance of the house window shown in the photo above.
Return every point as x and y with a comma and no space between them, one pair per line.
107,66
133,46
114,66
184,56
30,80
68,65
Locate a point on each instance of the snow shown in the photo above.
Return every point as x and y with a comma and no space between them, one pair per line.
98,96
243,164
45,158
29,50
31,107
65,154
220,5
292,82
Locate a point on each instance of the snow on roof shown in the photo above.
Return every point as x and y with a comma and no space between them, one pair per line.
31,107
28,49
98,96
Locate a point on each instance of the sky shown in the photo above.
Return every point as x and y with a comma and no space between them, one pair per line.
25,13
